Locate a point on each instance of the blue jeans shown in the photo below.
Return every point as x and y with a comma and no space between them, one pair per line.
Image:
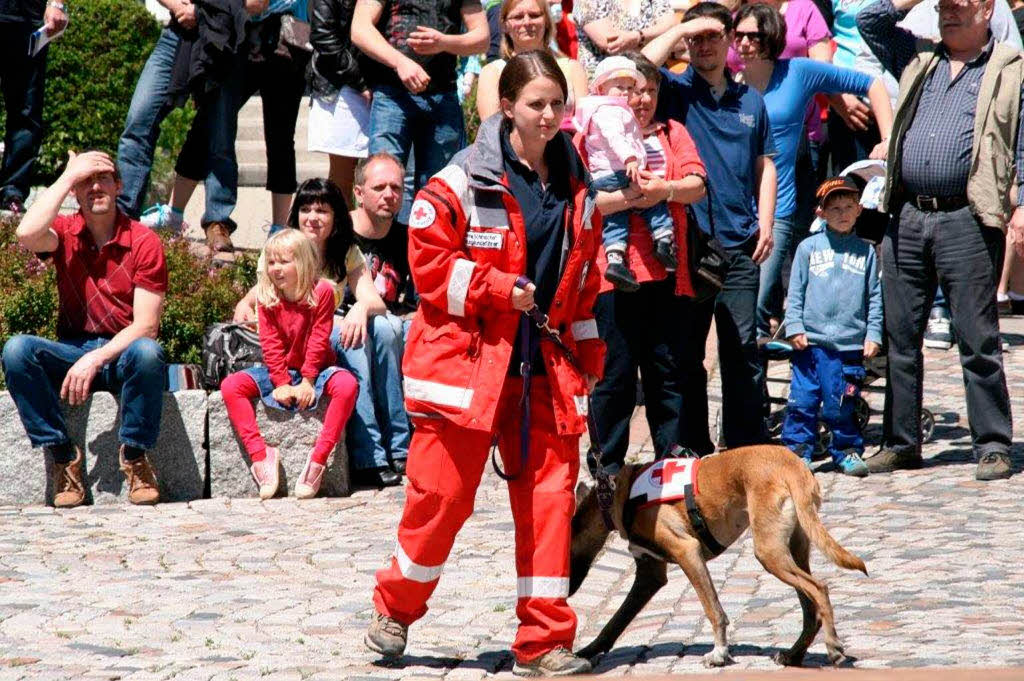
22,81
616,226
429,125
35,369
149,107
379,429
830,379
769,295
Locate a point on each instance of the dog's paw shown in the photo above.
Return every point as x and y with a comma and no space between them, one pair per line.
788,659
719,657
836,655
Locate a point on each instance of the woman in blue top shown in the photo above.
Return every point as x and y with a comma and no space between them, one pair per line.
787,85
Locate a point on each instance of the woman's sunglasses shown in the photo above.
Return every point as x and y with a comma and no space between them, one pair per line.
749,35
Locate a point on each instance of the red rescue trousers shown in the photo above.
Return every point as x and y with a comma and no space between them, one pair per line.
444,468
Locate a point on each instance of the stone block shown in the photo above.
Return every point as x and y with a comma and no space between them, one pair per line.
179,458
294,434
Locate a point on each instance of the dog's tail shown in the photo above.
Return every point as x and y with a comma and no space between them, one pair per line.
806,496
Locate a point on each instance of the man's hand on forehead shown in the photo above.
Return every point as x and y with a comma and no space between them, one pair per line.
88,166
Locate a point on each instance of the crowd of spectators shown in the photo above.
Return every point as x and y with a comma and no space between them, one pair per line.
706,125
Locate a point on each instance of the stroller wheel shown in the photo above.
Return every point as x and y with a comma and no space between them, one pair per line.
861,412
927,425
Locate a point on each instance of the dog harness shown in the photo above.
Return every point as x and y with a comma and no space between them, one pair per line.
665,481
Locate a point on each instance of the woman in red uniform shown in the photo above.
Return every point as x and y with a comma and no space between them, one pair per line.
510,208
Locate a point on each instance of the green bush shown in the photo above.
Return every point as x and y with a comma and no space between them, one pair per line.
199,294
470,115
90,77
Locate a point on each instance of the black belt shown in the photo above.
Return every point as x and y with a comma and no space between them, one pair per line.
937,204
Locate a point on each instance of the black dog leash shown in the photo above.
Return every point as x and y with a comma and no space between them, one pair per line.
605,491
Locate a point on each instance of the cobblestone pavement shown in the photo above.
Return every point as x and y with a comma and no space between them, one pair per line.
241,589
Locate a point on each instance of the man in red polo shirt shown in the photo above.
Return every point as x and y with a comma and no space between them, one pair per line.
111,281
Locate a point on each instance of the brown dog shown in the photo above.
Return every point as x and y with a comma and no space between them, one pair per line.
766,488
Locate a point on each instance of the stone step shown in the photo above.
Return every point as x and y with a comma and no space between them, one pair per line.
251,151
255,174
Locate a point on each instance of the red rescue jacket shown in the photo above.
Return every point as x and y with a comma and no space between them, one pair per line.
467,246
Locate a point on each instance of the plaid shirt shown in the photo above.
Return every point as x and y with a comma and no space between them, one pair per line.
937,145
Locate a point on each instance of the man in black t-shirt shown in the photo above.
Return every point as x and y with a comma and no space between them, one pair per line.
379,431
411,48
22,78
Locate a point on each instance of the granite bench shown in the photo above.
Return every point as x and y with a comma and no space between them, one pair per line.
198,454
179,458
293,433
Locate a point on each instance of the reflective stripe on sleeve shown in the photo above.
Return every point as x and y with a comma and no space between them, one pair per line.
585,329
458,286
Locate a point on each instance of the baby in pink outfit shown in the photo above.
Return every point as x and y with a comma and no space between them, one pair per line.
615,154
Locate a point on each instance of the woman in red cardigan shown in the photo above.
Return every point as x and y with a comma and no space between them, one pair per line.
647,329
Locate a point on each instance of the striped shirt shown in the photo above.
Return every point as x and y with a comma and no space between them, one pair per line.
655,155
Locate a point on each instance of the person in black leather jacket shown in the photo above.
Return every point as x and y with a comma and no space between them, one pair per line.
339,119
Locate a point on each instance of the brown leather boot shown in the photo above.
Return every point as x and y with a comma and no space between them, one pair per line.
218,238
68,486
142,487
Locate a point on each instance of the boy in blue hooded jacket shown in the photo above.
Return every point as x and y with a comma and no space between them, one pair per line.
833,320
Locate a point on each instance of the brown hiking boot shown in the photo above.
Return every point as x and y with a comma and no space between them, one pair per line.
218,238
142,487
993,466
888,460
386,636
68,486
557,662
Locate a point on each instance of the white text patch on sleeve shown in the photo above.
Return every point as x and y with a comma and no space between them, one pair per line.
484,239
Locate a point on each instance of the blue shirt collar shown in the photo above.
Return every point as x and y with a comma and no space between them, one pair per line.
731,86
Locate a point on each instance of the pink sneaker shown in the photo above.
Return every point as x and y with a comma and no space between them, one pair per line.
310,479
267,473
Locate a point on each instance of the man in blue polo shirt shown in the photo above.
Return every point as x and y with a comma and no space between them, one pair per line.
729,124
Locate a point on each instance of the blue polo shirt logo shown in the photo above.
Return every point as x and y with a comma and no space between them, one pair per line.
747,120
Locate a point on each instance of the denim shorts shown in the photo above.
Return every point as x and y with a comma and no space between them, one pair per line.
261,375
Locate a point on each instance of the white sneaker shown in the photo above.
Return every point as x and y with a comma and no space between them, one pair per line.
162,216
938,334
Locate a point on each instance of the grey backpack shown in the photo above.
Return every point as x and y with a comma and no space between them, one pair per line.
228,348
